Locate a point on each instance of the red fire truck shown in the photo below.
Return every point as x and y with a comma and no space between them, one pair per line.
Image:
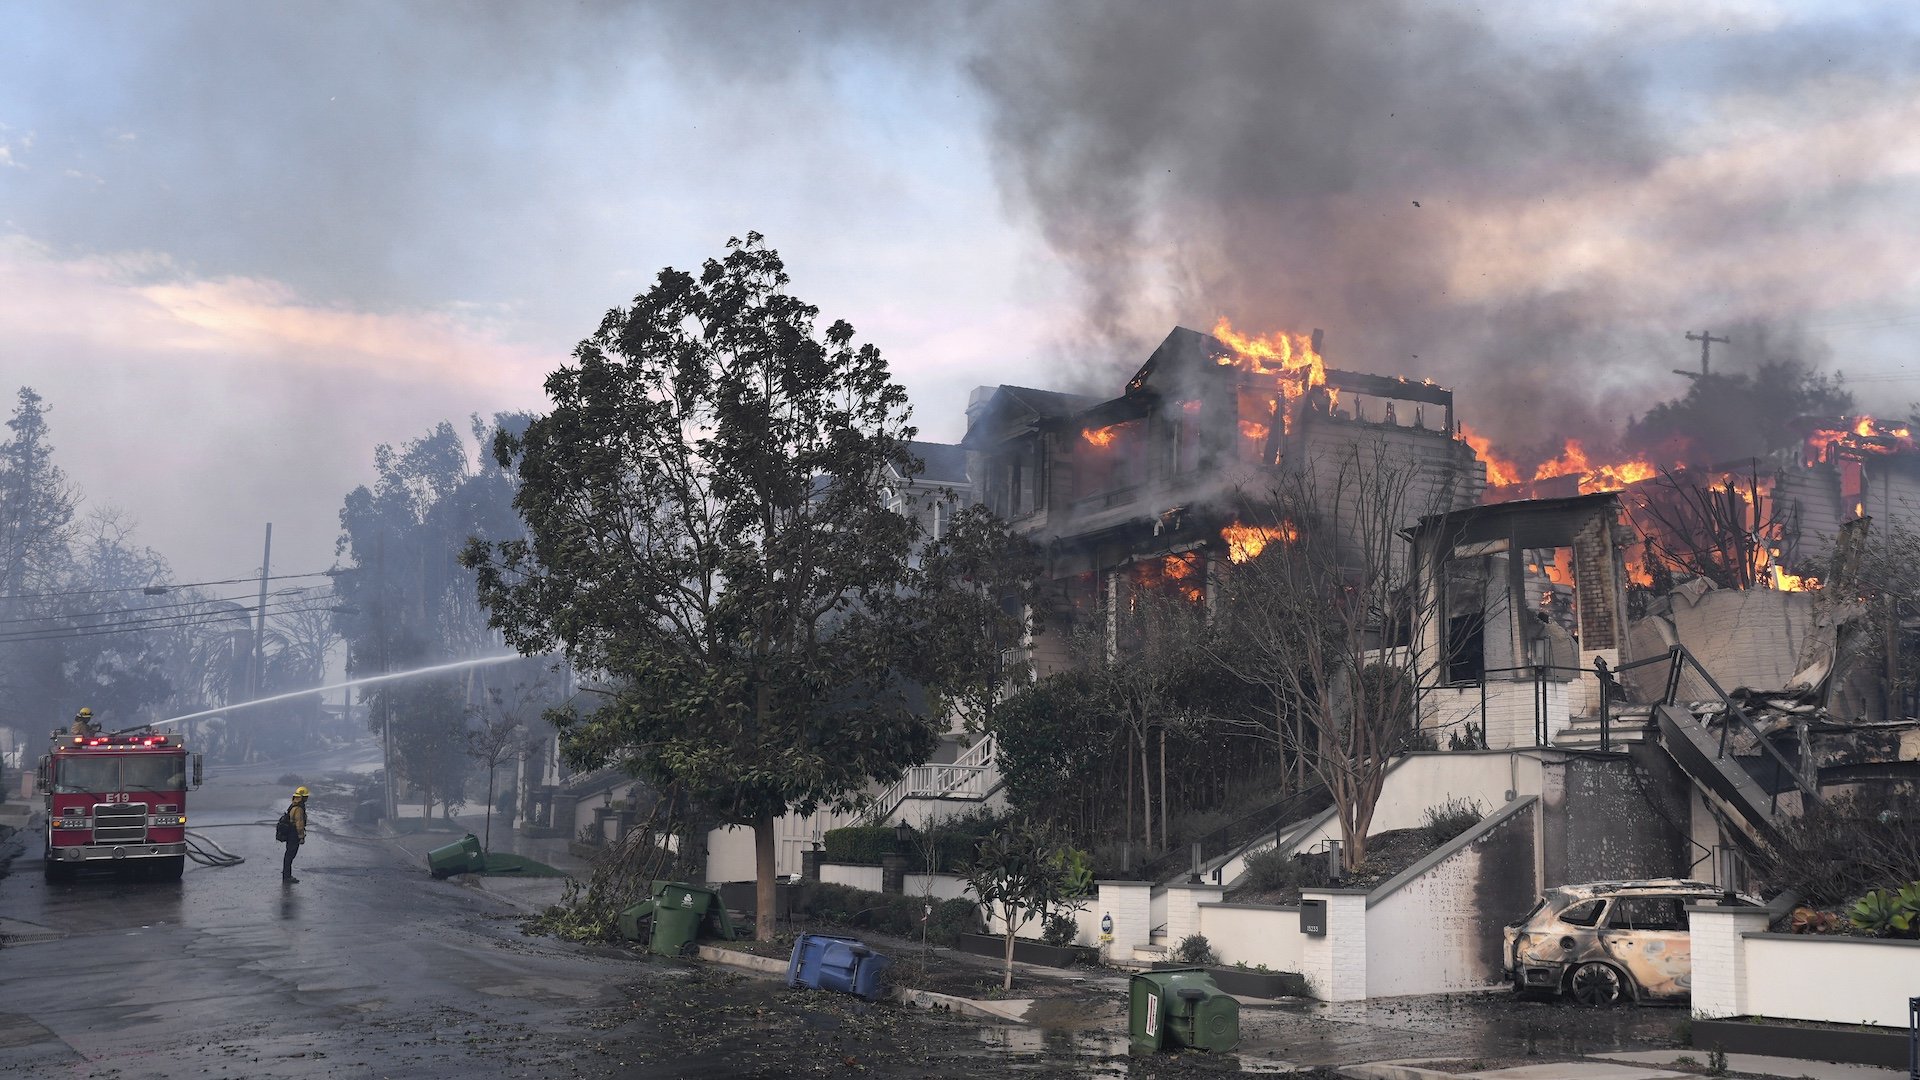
117,800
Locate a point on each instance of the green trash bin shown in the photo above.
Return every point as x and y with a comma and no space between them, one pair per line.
1181,1008
464,857
681,911
632,917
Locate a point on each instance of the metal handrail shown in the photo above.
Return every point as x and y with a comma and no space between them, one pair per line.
1682,656
1244,829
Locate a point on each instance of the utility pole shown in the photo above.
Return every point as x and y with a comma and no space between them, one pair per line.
380,628
1707,341
260,622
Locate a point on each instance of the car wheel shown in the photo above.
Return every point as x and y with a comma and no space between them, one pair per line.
1597,985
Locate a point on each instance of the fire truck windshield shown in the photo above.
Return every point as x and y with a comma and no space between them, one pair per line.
120,772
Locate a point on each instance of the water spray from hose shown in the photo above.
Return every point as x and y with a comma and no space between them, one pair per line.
362,681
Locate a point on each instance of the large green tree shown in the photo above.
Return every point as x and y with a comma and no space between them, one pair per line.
710,538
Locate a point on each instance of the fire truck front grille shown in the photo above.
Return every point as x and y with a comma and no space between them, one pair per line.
119,823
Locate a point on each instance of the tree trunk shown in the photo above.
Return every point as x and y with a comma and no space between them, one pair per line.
1146,795
1006,982
1164,809
763,890
486,845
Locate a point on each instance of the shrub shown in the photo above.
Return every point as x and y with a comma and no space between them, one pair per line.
1273,870
863,844
1061,930
884,913
1195,949
1806,920
951,918
1890,912
1838,849
1451,818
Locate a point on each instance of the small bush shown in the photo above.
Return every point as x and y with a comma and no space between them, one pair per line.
1274,870
861,844
900,916
1451,818
291,780
950,919
1194,949
1061,930
1890,912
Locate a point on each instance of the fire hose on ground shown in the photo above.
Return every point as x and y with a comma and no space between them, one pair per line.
219,856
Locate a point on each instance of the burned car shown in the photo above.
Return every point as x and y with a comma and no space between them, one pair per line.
1608,942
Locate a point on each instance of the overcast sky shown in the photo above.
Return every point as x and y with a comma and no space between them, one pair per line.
241,244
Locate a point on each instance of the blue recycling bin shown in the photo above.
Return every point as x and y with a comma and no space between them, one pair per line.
821,962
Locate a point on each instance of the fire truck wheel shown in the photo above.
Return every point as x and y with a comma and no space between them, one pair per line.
169,868
58,871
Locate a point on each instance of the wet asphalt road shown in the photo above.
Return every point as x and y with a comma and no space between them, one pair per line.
369,968
366,967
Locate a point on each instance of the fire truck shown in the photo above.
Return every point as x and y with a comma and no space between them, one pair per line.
117,800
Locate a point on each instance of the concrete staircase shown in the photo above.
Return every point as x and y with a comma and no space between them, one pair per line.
1629,724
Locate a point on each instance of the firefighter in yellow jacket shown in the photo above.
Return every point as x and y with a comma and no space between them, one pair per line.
297,816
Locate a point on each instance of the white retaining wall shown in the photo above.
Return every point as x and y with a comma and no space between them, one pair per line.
1130,904
1423,780
1335,963
1253,934
1183,910
1426,930
944,886
860,877
1740,970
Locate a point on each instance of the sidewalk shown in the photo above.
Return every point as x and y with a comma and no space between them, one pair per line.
1644,1065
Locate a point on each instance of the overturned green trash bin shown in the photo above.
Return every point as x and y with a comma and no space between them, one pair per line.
632,917
681,911
464,857
1181,1008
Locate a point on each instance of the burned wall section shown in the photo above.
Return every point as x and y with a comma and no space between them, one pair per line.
1438,925
1480,577
1504,888
1118,490
1596,584
1613,818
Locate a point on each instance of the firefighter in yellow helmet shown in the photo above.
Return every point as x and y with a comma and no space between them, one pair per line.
296,817
83,723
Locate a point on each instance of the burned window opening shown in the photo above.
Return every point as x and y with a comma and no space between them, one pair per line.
1465,591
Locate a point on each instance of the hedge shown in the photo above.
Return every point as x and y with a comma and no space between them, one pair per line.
899,916
864,844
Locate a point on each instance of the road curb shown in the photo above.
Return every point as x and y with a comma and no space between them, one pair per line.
1012,1010
1394,1070
761,965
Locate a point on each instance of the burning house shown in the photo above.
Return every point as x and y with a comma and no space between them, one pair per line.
1156,488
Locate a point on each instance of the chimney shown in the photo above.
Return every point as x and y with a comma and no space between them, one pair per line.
978,401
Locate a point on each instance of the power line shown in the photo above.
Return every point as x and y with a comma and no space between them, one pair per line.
144,588
166,623
305,591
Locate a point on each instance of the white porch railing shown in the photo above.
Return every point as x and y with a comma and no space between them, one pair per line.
971,776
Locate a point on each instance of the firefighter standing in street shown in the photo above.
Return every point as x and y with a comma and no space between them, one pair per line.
297,815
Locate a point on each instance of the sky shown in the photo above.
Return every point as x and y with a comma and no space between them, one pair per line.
243,244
